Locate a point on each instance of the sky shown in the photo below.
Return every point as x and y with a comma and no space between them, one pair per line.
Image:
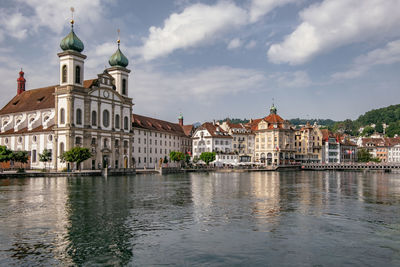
210,60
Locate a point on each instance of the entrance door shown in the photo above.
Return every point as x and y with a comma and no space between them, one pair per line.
125,162
105,161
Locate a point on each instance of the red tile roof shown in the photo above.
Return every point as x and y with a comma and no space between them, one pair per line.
36,99
148,123
215,130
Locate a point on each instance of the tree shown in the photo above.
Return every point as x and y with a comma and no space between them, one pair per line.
379,128
176,156
195,159
45,156
393,128
368,130
5,154
364,156
77,155
207,157
19,156
187,159
165,160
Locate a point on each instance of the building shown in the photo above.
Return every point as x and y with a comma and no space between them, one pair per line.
210,137
308,144
348,150
274,139
154,139
76,112
330,147
242,140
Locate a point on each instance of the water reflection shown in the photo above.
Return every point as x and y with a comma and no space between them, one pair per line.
285,218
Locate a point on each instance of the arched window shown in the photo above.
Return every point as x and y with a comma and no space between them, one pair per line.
117,120
61,148
124,86
62,116
94,118
106,118
77,74
126,127
79,116
64,73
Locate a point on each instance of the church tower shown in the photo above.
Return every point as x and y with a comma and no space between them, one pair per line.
118,71
71,59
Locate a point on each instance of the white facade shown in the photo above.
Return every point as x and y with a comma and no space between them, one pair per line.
394,154
211,138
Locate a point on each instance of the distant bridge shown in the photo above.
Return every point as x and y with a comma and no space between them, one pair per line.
351,166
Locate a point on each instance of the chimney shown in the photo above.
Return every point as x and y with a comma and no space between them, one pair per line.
21,83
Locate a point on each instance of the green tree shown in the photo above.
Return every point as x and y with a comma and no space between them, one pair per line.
187,159
77,155
393,128
364,156
176,156
5,154
379,128
207,157
45,156
20,156
165,160
368,130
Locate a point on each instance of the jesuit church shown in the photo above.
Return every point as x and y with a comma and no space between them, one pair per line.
92,113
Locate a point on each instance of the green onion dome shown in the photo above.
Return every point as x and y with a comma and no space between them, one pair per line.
180,117
273,109
118,59
71,41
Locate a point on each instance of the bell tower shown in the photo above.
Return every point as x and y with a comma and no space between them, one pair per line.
118,70
21,83
71,59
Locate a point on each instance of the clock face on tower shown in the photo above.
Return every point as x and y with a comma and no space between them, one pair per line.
106,94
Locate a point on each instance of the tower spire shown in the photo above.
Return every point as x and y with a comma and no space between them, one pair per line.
21,83
72,16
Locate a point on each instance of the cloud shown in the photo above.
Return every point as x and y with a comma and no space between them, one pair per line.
195,24
259,8
234,43
334,23
390,54
297,79
53,15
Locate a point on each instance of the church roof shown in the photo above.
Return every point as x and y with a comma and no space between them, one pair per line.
36,99
153,124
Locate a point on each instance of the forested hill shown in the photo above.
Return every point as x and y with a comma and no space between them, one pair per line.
385,115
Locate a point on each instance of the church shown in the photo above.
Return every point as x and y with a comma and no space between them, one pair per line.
93,113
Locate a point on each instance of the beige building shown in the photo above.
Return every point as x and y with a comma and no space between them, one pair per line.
154,139
308,144
243,140
274,139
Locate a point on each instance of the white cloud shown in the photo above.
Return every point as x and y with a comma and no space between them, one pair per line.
259,8
297,79
196,24
390,54
234,43
334,23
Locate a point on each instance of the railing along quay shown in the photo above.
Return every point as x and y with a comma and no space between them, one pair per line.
350,166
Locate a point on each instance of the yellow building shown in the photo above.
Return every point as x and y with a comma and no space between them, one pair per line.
274,140
308,144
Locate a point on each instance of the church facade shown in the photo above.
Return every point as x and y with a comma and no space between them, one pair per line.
92,113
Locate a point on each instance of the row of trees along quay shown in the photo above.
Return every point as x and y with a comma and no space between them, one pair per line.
75,155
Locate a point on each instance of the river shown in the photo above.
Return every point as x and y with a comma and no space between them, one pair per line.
296,218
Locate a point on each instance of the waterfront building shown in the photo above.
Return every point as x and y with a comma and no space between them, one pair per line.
154,139
91,113
330,147
210,137
242,140
394,153
348,150
308,144
223,159
274,139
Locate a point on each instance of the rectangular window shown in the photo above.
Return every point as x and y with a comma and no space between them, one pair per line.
34,155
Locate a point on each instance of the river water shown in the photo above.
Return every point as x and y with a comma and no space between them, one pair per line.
218,219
